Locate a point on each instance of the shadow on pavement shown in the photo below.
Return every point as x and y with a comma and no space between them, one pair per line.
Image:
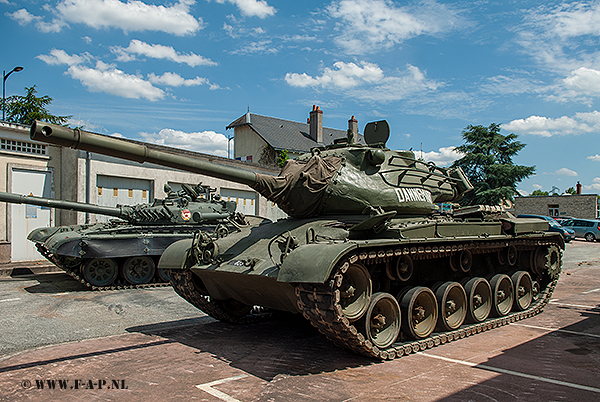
53,283
285,345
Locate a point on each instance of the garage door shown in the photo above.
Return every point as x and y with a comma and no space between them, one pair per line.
246,200
25,218
112,191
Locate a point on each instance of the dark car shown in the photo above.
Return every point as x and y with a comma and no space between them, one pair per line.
586,228
567,233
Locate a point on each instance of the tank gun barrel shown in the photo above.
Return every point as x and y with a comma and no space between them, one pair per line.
106,145
122,212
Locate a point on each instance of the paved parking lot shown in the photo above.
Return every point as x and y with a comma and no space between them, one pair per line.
150,345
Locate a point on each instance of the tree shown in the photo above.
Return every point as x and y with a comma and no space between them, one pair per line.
488,164
571,190
282,158
26,109
539,192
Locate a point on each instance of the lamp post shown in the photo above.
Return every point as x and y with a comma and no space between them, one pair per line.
4,77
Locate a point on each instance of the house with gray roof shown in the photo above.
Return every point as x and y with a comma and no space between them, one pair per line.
260,139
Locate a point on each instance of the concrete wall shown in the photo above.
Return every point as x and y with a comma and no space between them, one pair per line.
16,135
578,206
247,142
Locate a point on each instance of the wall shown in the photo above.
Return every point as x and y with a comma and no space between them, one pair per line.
577,206
247,142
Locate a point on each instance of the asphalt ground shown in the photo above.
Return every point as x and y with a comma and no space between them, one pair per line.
150,345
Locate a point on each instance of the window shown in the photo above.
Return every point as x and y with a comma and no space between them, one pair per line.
553,210
130,193
144,193
22,146
115,191
99,190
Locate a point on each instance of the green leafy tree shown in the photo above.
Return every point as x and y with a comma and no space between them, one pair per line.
282,158
571,190
488,164
26,109
539,192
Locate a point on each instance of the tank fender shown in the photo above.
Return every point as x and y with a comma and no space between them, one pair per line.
312,263
176,255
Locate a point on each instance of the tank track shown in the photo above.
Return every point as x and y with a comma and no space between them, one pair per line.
320,303
118,284
184,284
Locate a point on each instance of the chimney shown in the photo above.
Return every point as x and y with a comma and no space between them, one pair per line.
316,124
353,126
578,188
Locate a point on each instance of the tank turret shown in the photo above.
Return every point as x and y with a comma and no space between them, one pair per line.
344,178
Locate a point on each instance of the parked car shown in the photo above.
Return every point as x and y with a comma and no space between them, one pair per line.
567,233
586,228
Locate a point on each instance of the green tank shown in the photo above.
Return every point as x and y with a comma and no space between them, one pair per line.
363,256
124,252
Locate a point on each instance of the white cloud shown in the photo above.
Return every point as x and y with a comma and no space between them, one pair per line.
537,186
175,80
24,17
116,82
582,84
343,75
59,56
130,16
565,172
263,46
369,25
443,157
594,157
252,8
570,20
595,186
547,127
562,38
366,81
208,142
137,47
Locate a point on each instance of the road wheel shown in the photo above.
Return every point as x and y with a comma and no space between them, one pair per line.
100,271
138,270
502,294
590,237
355,291
381,323
419,312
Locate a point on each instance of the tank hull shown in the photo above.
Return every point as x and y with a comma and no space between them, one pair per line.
72,248
285,266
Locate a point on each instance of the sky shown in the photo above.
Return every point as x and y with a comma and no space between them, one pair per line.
178,72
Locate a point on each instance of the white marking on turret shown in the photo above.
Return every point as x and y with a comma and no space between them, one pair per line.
413,194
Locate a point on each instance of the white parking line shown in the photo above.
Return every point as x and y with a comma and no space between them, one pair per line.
556,303
7,300
218,394
566,331
591,291
514,373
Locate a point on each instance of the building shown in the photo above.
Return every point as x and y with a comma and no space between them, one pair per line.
31,168
583,206
259,139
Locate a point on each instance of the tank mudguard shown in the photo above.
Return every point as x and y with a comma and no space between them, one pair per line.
312,263
176,255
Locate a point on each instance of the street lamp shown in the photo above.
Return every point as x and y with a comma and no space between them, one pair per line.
4,77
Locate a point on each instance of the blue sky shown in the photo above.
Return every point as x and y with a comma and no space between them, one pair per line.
178,72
